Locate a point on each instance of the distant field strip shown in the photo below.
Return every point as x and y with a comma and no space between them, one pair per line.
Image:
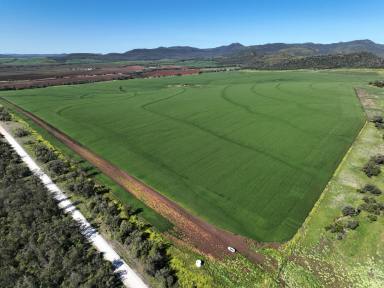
247,151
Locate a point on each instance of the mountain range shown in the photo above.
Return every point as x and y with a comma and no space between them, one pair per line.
352,54
235,51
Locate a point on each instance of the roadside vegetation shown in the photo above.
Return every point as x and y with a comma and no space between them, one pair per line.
149,254
40,246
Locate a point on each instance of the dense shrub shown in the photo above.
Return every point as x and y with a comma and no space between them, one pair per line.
370,205
369,188
21,132
15,172
113,221
4,114
378,159
58,167
371,169
377,83
129,210
379,125
377,119
349,211
113,209
102,189
336,227
83,186
44,154
353,224
29,142
125,230
372,218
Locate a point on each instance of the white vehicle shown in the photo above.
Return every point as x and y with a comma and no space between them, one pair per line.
199,263
231,249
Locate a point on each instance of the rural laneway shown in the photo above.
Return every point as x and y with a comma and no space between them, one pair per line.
129,277
204,236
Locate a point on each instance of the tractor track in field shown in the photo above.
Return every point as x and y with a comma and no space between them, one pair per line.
215,134
61,110
248,109
205,237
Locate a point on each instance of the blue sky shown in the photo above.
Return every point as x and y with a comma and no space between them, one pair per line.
62,26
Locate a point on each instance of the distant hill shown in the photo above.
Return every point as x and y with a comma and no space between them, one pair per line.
309,49
352,60
176,52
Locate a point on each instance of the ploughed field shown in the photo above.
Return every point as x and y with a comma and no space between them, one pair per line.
249,152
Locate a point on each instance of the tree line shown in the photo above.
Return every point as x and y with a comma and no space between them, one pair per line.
150,254
291,62
40,246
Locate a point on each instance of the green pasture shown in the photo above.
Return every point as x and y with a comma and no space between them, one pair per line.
249,152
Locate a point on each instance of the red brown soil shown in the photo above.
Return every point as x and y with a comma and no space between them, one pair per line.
82,75
205,237
170,72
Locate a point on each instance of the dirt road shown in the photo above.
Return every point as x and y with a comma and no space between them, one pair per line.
203,236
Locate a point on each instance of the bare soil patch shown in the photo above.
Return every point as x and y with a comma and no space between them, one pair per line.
88,75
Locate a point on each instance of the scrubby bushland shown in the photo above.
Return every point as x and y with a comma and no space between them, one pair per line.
341,225
371,205
261,60
372,168
149,253
4,114
369,188
41,246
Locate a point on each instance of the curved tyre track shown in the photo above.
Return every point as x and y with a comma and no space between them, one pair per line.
205,237
249,110
63,109
217,135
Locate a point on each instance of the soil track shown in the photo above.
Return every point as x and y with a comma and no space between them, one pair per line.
205,237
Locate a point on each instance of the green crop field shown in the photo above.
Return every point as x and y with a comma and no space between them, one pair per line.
247,151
